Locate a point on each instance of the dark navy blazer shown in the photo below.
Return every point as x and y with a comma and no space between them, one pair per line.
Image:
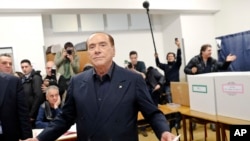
14,114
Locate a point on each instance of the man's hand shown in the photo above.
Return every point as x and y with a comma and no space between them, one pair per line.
31,139
64,54
58,102
44,88
194,70
70,57
134,70
177,42
45,85
230,58
157,87
167,136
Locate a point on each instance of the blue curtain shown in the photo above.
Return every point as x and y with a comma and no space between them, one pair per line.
239,45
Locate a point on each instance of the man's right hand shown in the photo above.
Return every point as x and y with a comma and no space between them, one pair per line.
64,54
31,139
194,70
177,42
44,88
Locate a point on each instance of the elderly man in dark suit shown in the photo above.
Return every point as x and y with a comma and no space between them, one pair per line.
104,101
14,114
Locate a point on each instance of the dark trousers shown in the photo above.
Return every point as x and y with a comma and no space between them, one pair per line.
1,137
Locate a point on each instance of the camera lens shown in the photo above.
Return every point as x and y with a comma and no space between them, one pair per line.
130,66
69,52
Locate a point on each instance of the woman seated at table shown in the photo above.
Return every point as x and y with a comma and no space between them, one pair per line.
50,108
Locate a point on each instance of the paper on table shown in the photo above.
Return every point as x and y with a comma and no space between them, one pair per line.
176,138
72,130
36,132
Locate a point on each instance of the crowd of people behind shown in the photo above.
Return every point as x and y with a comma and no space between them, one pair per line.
45,94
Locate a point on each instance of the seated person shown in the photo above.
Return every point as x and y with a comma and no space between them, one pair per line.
155,82
50,108
52,77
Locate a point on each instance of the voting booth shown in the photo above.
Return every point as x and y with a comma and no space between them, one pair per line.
202,93
221,93
233,94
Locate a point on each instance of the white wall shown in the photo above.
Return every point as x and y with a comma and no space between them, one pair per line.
25,34
233,17
140,42
125,41
117,5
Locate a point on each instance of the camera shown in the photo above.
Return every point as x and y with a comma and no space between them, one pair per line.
53,72
130,65
52,82
69,52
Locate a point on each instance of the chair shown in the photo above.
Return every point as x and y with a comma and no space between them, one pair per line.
199,121
223,129
141,126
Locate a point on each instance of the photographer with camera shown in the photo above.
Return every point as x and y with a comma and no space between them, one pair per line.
67,61
53,78
135,65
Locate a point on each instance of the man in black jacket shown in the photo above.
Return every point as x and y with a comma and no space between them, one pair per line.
32,82
53,78
204,63
171,69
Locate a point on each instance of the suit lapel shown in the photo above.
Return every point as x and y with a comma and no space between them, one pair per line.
4,83
89,97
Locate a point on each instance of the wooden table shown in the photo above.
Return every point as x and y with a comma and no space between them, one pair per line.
225,122
222,122
187,114
165,110
200,116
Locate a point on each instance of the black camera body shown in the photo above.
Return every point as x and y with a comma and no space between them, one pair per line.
69,52
130,65
53,72
52,82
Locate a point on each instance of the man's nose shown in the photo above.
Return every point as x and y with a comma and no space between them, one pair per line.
9,65
97,48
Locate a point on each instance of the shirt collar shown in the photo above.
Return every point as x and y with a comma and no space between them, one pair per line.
109,74
28,75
